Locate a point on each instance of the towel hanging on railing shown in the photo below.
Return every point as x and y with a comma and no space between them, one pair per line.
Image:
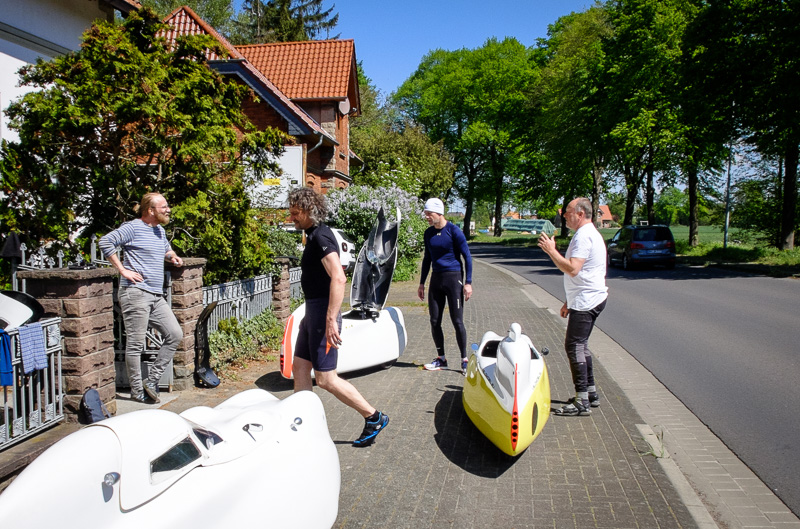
31,345
6,367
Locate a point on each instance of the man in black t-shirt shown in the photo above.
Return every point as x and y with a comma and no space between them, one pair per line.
318,339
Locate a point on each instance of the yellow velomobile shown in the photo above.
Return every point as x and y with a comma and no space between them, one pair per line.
507,391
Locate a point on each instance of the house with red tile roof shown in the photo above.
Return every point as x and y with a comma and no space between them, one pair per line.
604,218
307,89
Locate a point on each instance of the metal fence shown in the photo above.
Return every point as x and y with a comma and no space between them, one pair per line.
34,401
242,299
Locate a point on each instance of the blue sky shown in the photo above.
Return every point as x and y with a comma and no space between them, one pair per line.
392,36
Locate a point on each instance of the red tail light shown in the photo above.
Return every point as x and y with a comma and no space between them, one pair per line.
670,245
637,246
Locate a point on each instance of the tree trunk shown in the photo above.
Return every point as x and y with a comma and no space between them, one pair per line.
497,174
597,179
631,192
789,206
564,228
649,192
693,212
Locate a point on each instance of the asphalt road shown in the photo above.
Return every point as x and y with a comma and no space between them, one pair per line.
725,343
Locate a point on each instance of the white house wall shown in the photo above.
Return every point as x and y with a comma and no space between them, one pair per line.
30,29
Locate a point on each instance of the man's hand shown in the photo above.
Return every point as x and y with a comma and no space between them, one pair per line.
547,244
564,310
130,275
173,258
421,292
332,332
467,291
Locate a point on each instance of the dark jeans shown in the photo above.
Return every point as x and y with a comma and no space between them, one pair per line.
579,326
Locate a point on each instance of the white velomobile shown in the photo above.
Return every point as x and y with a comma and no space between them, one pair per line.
252,461
507,390
371,334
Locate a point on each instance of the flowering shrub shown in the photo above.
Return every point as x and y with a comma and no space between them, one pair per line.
353,210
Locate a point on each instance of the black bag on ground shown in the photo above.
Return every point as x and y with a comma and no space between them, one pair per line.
92,408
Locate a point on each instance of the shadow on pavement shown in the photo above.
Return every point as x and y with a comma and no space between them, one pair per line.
462,443
274,382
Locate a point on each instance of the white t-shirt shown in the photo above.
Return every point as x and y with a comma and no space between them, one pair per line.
587,289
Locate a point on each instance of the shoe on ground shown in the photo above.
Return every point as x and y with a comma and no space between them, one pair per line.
575,407
594,400
464,363
151,388
371,430
437,364
141,398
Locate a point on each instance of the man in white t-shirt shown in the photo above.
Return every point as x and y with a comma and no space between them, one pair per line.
584,267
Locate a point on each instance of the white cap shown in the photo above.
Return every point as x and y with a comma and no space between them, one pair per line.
434,205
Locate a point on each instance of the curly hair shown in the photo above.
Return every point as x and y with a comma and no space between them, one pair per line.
311,202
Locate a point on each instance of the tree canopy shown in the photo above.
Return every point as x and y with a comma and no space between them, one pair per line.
126,115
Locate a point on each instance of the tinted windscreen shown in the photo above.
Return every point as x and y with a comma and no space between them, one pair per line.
652,234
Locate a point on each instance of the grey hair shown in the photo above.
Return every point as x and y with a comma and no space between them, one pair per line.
584,205
311,202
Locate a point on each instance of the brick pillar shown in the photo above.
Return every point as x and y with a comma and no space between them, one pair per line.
281,294
187,304
83,299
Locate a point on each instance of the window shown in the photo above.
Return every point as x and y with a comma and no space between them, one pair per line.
174,459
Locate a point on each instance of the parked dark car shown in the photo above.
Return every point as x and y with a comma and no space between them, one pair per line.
638,245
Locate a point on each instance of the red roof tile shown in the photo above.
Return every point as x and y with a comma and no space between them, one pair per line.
184,21
327,66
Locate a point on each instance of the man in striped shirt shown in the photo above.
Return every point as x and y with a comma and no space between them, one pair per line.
141,290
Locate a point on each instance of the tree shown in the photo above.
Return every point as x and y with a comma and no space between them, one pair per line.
396,153
570,97
642,75
471,100
283,21
748,51
126,115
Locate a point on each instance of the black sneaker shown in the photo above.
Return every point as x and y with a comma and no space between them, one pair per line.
371,430
464,364
594,400
575,407
151,388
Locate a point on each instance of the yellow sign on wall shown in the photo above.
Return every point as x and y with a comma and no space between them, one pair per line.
272,181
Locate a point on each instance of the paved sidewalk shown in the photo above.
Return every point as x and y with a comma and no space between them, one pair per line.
432,468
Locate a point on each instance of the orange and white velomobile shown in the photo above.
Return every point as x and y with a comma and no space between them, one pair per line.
371,334
507,390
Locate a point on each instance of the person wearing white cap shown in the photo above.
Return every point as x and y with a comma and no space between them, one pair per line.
445,245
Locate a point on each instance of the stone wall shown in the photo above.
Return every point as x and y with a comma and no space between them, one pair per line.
83,299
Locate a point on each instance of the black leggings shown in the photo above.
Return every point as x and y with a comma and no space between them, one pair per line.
447,286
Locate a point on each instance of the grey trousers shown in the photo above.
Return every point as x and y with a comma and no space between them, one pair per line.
140,309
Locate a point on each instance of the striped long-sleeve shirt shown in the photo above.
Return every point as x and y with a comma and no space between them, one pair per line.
144,249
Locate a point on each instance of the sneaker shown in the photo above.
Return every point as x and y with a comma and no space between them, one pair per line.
141,398
575,407
371,430
594,400
464,363
151,388
437,364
